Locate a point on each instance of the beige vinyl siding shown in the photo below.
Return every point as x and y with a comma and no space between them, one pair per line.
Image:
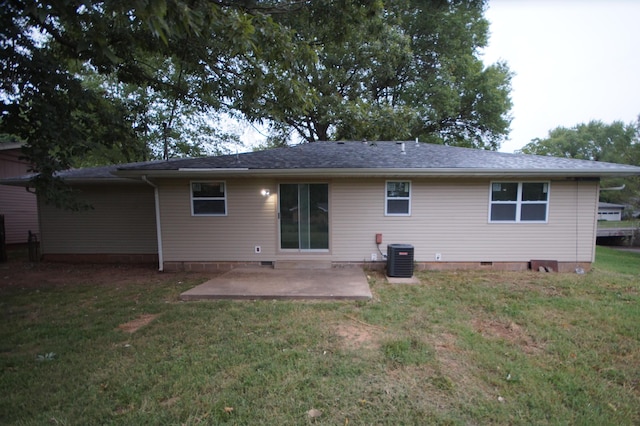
20,212
18,206
122,221
250,221
450,217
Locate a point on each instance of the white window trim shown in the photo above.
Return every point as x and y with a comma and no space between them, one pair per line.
192,198
387,198
519,202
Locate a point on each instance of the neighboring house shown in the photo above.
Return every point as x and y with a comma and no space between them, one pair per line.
610,212
326,201
18,206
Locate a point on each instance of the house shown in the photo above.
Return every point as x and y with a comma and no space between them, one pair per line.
610,212
327,202
18,206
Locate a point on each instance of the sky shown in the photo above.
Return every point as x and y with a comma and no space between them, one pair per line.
574,61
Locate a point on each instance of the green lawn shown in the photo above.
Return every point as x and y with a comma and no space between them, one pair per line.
462,348
619,224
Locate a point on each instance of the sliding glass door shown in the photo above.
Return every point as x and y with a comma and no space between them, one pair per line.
304,216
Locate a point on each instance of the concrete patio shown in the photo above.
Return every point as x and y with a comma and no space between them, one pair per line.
268,283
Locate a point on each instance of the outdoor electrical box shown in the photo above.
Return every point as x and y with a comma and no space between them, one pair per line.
400,260
378,238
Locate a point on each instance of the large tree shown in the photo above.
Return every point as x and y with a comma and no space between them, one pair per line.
165,124
189,57
413,70
116,78
616,142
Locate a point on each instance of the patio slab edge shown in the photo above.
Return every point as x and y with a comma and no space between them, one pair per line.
193,298
284,284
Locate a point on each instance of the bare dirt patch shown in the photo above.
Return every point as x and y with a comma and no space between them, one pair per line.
508,331
20,274
38,275
136,324
358,336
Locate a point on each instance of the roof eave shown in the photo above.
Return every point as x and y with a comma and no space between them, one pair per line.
374,172
25,182
113,179
11,145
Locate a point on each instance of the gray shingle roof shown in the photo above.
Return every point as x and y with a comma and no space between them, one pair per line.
382,155
361,159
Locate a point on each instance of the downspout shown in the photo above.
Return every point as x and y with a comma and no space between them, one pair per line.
156,196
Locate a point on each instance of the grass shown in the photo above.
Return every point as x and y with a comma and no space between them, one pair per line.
461,348
619,224
623,262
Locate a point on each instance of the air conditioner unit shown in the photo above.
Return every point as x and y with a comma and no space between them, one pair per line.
400,260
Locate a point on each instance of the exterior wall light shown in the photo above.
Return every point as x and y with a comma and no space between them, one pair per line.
265,192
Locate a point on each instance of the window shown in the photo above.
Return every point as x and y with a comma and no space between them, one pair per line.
398,199
519,201
208,199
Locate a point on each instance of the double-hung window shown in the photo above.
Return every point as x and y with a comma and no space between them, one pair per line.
519,202
398,198
208,199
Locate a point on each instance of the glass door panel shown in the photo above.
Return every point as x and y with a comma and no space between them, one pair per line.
304,216
289,237
318,216
304,228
